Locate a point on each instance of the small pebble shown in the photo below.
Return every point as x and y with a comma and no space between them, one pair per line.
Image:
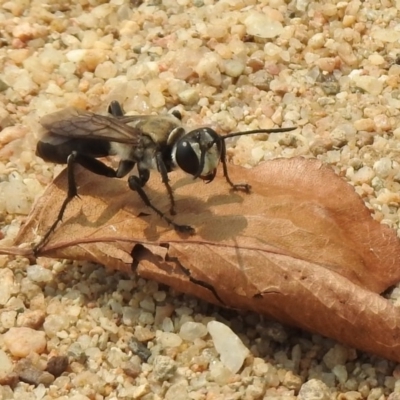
292,381
383,167
140,349
38,274
6,364
143,334
178,391
363,175
351,395
54,323
340,372
31,319
365,124
192,330
368,83
335,356
259,24
386,35
148,304
219,373
132,368
106,70
234,68
7,287
22,341
189,97
157,99
9,380
57,365
31,374
314,389
168,339
164,368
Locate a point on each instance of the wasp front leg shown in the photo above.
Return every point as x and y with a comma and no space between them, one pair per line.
245,187
165,180
136,184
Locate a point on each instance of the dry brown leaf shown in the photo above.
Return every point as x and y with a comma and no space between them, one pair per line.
302,247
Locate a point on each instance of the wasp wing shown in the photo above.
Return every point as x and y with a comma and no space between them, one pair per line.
76,123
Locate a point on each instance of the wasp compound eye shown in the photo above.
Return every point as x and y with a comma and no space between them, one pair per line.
186,158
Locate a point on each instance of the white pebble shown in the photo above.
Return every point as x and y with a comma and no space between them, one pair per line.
220,373
301,5
76,55
257,154
376,59
368,83
6,285
7,319
157,99
164,368
337,355
314,389
6,365
192,330
169,339
167,325
106,70
363,175
116,357
383,167
341,373
39,391
148,304
386,35
272,50
234,68
37,273
79,397
54,89
228,345
259,24
70,40
54,324
178,391
24,84
317,41
189,96
108,325
208,68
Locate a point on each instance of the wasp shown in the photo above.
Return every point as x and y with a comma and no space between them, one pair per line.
149,142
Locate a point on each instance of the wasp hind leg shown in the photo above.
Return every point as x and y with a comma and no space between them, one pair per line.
91,164
115,109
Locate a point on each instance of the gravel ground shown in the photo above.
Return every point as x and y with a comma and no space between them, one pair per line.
82,332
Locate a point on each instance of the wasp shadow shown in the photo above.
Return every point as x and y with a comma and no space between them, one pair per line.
190,209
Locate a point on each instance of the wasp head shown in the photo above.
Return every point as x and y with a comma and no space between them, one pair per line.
198,153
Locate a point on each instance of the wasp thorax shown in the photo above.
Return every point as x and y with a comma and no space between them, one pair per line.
198,153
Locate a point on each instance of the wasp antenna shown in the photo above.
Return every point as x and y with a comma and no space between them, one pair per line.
275,130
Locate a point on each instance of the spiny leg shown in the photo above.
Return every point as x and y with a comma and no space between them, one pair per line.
116,109
135,184
165,180
87,162
235,186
